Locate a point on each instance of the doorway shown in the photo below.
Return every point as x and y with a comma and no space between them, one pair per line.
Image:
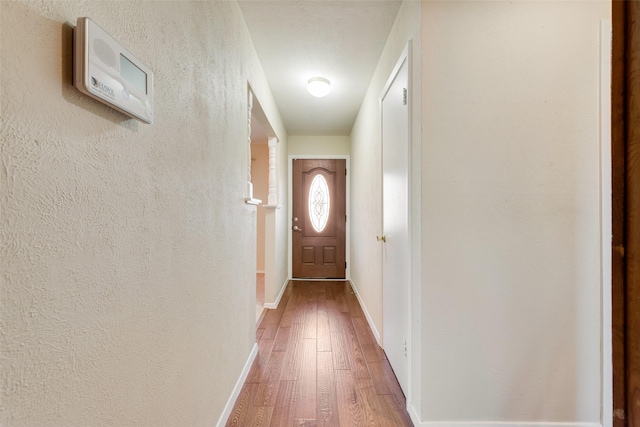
318,221
261,192
259,173
396,265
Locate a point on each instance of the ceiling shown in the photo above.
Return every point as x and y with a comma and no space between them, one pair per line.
339,40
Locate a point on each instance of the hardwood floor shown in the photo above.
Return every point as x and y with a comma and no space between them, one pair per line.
318,364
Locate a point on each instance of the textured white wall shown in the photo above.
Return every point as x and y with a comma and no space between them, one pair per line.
511,307
128,255
319,145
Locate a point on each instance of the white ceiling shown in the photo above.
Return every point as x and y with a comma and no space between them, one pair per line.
300,39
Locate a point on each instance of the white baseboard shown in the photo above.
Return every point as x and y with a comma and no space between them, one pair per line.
414,415
376,334
497,423
274,305
236,390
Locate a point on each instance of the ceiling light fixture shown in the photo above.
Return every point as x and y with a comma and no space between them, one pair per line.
319,86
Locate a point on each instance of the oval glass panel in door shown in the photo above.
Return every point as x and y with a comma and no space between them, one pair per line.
319,203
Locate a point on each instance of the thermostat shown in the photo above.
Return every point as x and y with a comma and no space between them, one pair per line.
107,71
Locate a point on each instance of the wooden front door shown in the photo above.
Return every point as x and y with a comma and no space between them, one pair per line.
625,152
319,218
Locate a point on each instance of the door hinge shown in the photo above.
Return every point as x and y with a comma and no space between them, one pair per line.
345,218
619,414
404,96
404,350
345,264
345,172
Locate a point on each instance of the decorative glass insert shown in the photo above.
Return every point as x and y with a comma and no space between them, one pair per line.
319,203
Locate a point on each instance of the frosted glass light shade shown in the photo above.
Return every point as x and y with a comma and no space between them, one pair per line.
319,86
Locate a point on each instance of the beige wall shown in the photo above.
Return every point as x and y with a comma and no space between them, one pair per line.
128,254
319,145
282,223
510,211
260,180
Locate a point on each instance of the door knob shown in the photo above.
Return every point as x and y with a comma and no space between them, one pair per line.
382,238
296,228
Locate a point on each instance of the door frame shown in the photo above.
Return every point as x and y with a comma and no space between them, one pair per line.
414,290
404,58
347,237
604,142
256,113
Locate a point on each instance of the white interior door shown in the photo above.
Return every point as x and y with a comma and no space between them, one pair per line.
396,247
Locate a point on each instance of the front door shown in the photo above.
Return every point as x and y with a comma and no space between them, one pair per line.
319,218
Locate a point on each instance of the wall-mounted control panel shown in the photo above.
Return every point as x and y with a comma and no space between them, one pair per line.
108,72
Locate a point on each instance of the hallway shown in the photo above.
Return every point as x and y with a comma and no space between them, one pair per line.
319,364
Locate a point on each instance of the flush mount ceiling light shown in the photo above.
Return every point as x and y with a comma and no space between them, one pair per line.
319,86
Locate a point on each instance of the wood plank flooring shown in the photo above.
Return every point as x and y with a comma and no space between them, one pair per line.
318,364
